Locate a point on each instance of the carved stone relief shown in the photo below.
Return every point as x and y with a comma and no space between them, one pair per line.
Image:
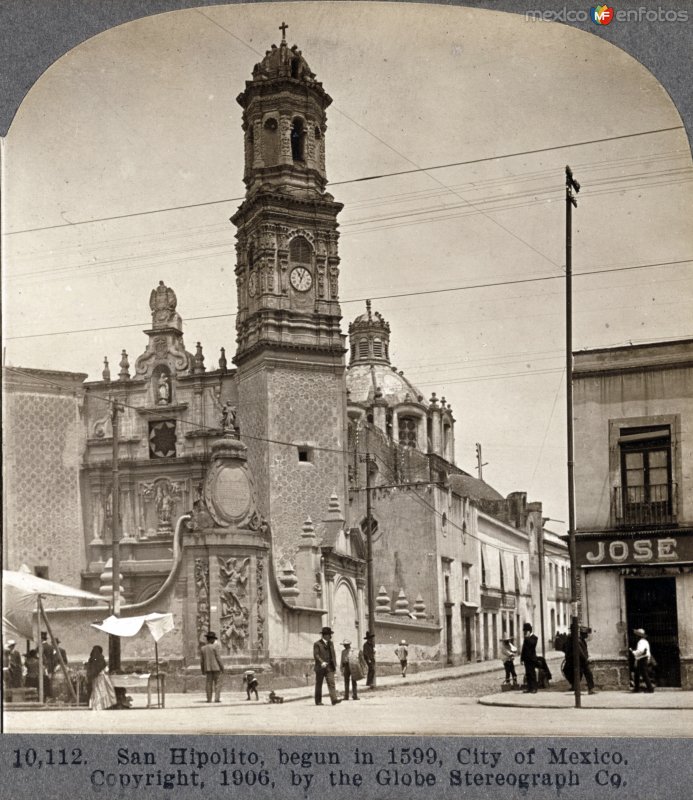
233,596
285,137
260,613
201,576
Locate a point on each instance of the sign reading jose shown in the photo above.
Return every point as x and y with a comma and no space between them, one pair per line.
655,549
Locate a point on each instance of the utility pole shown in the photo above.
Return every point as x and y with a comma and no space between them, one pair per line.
571,185
479,463
114,641
540,552
370,587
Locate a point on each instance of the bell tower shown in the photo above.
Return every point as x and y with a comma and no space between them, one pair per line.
290,349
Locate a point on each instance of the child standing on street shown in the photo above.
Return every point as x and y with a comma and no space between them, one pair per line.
508,653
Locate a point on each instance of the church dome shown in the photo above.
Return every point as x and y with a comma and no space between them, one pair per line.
371,382
381,395
370,376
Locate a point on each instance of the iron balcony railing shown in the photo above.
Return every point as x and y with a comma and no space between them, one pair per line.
644,505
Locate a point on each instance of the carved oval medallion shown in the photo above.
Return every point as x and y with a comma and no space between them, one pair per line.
231,492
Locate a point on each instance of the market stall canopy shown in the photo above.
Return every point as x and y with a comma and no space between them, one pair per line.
158,624
19,593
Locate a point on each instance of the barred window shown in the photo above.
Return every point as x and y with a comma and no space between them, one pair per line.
408,431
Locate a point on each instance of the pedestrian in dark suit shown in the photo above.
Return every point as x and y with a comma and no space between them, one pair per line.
325,667
369,658
212,667
49,661
528,657
584,658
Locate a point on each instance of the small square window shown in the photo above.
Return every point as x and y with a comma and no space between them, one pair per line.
305,455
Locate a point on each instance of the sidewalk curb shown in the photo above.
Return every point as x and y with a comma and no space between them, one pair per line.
498,702
432,676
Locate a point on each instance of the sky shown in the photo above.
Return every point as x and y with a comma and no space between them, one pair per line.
140,122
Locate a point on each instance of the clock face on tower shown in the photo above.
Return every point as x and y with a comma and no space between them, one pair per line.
301,279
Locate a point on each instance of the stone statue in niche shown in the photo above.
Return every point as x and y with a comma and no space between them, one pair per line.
228,417
164,506
163,493
163,390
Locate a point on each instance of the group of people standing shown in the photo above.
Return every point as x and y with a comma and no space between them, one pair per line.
528,657
18,675
353,665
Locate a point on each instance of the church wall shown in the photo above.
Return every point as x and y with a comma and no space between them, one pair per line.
292,633
304,407
253,421
42,448
404,549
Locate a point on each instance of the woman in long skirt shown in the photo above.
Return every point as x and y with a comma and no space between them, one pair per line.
102,693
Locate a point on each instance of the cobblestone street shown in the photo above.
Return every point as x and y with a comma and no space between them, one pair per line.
472,686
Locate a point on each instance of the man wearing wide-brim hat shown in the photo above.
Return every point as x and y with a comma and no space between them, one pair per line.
369,658
642,656
13,665
325,666
212,667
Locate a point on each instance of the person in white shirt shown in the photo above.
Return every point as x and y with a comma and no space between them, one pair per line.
642,655
508,653
402,654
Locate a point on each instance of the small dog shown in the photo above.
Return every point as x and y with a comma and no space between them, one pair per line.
275,698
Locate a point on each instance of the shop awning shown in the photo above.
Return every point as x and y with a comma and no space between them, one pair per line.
19,593
158,625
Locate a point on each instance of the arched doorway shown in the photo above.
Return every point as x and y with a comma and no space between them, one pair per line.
345,615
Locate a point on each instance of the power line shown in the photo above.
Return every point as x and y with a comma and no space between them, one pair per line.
507,155
382,176
149,261
468,287
201,427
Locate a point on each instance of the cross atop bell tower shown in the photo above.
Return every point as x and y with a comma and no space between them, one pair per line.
283,27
